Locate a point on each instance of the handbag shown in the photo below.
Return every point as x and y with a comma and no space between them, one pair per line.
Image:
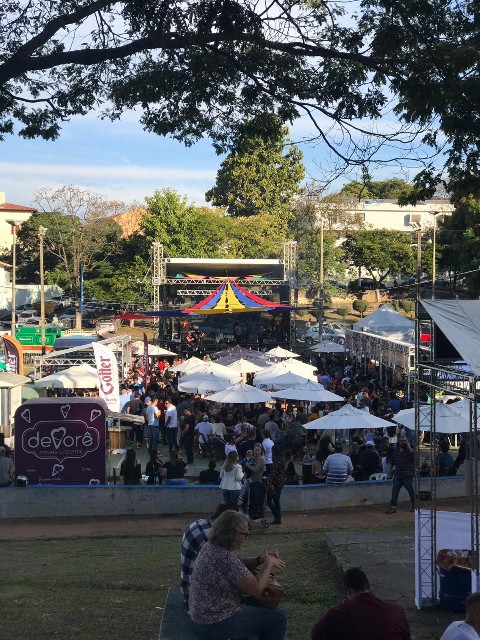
270,596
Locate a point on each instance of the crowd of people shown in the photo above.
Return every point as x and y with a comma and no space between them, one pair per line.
252,440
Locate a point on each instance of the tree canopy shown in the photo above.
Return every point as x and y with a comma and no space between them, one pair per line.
392,188
380,252
194,68
261,174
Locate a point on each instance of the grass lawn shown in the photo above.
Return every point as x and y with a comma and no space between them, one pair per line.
105,588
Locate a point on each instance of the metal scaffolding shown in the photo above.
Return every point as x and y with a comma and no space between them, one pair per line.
434,376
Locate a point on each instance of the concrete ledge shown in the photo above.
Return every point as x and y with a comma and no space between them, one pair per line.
114,500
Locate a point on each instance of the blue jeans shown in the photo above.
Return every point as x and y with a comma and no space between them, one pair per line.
231,496
397,484
152,432
268,624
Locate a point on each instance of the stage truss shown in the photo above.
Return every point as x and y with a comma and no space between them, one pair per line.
432,377
197,286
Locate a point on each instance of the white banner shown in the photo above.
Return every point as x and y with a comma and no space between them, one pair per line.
107,368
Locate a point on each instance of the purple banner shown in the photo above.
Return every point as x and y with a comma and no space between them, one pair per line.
61,441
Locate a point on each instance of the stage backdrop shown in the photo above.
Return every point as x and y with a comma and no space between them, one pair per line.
61,441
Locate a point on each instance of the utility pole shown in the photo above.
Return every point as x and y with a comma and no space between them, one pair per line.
15,225
41,235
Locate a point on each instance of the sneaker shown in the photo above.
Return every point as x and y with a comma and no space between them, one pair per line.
391,510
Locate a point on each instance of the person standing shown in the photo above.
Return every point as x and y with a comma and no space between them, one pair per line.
362,616
275,483
171,425
403,469
188,433
468,629
232,476
268,444
152,416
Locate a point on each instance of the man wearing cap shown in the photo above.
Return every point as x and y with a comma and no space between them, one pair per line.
362,616
204,430
369,460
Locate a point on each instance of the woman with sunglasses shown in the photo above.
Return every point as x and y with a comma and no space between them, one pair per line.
220,577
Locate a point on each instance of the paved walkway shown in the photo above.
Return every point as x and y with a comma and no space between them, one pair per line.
368,517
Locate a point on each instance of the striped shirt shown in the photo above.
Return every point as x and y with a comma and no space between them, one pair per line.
337,467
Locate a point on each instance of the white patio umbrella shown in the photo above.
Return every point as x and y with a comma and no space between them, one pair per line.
153,349
218,369
82,376
283,381
188,365
240,393
287,366
328,347
280,352
309,391
245,366
447,418
203,384
349,418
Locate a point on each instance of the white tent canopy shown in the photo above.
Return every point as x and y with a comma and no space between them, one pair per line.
385,321
188,365
82,376
459,321
328,347
153,349
448,419
349,418
288,366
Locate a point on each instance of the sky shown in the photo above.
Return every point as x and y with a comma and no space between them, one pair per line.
122,162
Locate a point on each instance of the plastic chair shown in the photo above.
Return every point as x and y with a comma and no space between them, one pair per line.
378,476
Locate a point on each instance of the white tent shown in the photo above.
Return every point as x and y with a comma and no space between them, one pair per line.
459,321
385,321
288,366
448,418
82,376
153,349
188,365
280,352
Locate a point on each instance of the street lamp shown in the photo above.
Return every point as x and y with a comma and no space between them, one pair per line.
15,226
41,235
434,244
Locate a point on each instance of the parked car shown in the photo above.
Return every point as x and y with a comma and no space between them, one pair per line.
107,324
25,316
365,284
312,334
62,301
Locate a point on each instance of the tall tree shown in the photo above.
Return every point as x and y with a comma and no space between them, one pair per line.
184,229
380,252
261,174
80,233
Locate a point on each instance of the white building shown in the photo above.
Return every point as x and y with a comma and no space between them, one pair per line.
15,212
387,214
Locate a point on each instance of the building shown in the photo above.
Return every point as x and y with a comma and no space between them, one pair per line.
8,211
387,214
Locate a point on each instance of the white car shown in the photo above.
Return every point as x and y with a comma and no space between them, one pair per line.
25,317
312,334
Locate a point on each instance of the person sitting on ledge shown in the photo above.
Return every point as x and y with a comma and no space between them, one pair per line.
175,469
210,475
338,467
362,616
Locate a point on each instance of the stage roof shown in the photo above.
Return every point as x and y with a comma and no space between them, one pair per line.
201,269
